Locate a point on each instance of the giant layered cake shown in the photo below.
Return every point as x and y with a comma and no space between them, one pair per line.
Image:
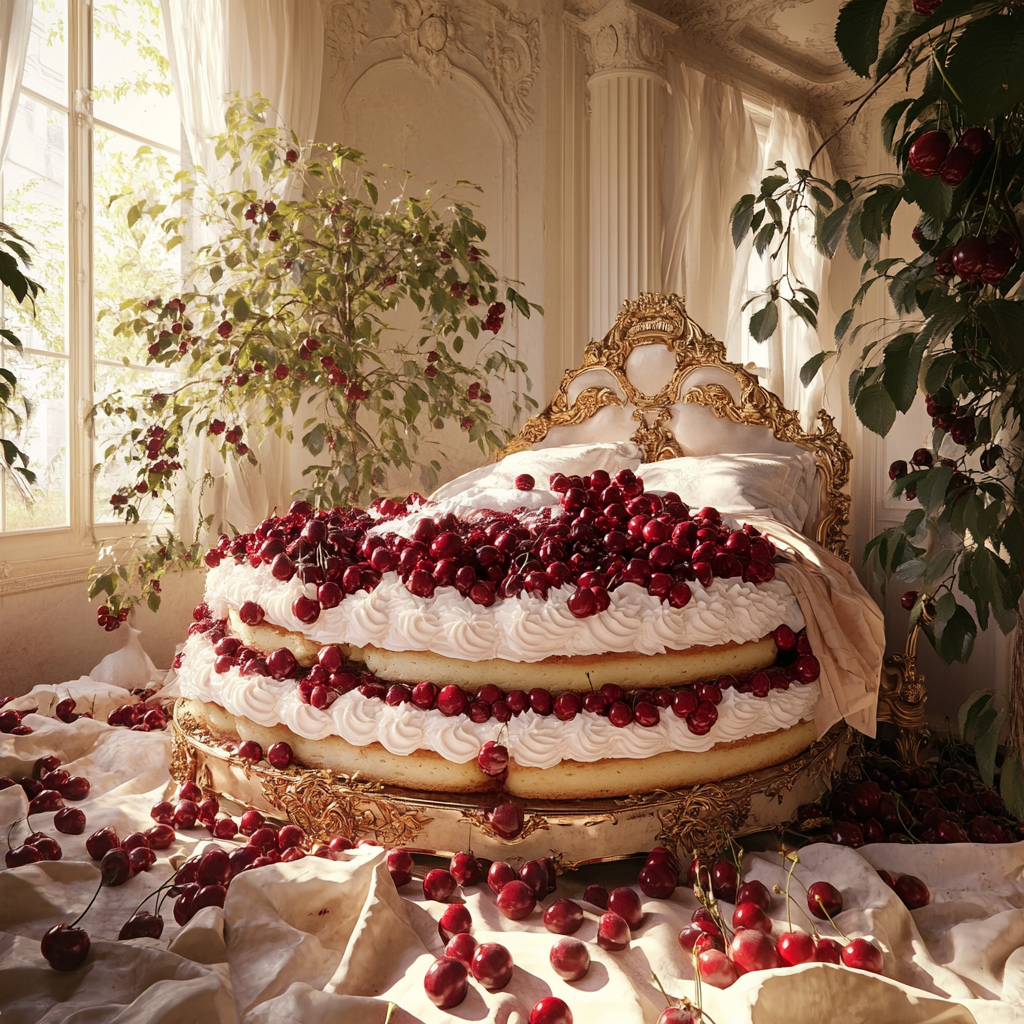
612,641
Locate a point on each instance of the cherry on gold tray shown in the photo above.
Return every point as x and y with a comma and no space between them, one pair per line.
574,832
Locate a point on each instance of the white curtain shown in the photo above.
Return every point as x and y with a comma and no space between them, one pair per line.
15,28
793,139
712,157
218,48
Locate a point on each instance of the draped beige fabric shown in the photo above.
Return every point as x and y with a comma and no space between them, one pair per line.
322,942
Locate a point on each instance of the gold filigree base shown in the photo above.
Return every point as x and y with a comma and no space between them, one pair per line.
576,832
901,701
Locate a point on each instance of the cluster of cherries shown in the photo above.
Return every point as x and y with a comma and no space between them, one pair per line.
517,894
610,533
139,716
931,154
913,805
109,619
11,718
322,683
722,954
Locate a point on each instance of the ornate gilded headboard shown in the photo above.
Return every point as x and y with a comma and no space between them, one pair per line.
667,399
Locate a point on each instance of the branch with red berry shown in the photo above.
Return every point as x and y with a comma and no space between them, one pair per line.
283,327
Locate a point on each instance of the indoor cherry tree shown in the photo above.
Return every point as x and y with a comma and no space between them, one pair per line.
282,327
956,137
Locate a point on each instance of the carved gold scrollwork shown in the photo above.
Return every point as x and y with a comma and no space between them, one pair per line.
477,817
658,319
703,819
901,700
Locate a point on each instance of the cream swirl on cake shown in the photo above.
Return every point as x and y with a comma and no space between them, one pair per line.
524,628
533,741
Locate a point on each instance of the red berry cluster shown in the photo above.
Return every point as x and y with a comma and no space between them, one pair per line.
926,7
139,717
495,318
322,683
170,330
978,259
109,619
931,155
610,533
11,720
161,457
908,805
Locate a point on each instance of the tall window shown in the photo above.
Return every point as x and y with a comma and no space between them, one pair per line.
97,129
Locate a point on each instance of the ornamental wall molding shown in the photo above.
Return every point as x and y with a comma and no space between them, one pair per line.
496,46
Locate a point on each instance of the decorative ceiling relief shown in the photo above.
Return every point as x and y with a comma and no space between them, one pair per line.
495,45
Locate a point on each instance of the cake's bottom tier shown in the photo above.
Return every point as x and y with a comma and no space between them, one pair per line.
568,780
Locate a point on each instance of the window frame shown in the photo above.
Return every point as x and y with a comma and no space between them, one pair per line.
30,558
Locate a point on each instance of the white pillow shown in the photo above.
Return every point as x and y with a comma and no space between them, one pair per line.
784,486
570,459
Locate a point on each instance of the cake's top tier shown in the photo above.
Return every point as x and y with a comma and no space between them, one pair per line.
591,566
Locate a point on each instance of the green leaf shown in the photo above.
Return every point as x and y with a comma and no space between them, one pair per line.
986,741
810,369
967,716
843,324
764,238
875,409
931,488
153,601
857,29
831,231
932,196
890,119
1011,785
902,362
936,370
764,322
943,316
241,309
984,67
740,218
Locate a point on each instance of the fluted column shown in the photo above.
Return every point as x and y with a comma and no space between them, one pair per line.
626,87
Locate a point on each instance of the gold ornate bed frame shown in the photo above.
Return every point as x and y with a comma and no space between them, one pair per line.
662,320
575,832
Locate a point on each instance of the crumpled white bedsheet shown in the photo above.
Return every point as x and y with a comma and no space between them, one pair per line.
316,941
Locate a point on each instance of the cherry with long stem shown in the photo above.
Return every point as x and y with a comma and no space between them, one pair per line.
682,1000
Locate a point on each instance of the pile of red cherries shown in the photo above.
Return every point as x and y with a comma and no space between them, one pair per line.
609,533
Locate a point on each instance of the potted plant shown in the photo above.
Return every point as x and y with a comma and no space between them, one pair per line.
282,327
956,140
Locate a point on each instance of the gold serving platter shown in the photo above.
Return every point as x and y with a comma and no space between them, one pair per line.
575,832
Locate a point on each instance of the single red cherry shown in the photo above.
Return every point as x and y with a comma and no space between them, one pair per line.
658,881
455,920
461,947
957,165
564,917
70,821
754,892
102,840
65,947
969,257
400,865
499,874
466,869
492,759
570,959
446,982
516,900
551,1010
535,874
115,867
912,891
492,966
612,932
438,885
716,968
827,951
724,881
928,153
506,819
795,948
142,925
750,915
978,140
863,955
753,950
596,895
625,902
279,755
824,900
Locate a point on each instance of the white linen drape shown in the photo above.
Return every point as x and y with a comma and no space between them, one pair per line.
15,28
793,139
218,48
712,157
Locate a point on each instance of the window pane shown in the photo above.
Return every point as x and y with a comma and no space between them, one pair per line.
35,205
43,434
47,58
108,430
131,75
129,262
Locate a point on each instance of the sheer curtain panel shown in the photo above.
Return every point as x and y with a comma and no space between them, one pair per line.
218,48
15,26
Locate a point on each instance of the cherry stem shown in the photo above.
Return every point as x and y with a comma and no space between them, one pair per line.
91,902
845,938
167,883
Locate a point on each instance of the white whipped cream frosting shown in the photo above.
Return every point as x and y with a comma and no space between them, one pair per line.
526,628
534,741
